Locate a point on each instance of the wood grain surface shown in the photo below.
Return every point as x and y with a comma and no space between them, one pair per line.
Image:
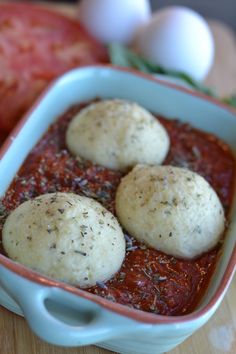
218,336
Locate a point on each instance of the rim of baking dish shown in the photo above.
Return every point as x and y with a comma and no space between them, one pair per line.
138,315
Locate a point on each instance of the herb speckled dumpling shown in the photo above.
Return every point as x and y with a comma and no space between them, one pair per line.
67,237
117,134
171,209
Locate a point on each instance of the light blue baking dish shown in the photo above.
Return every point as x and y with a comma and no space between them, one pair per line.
62,314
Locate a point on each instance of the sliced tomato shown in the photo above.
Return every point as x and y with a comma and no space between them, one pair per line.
36,46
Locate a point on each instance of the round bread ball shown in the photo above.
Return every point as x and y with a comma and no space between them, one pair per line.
170,209
67,237
117,134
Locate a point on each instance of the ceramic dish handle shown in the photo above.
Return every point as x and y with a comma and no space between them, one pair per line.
62,318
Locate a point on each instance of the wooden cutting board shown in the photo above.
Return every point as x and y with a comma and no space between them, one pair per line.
218,336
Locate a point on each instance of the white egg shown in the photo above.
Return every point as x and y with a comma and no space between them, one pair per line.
178,38
114,20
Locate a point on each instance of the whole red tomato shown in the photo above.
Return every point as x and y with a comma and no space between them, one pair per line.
36,46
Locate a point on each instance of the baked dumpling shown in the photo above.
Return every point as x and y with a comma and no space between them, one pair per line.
67,237
171,209
117,134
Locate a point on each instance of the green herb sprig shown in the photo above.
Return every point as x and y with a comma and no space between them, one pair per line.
123,56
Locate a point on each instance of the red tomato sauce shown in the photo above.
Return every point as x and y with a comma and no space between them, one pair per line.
148,279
